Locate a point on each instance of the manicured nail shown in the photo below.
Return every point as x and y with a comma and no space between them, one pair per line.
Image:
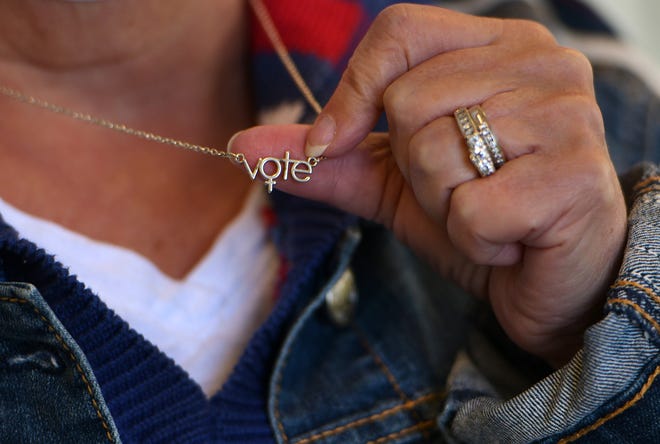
231,141
320,136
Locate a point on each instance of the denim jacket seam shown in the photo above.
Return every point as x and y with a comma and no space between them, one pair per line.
621,283
646,189
364,341
647,185
380,363
653,187
632,286
72,357
646,317
604,419
409,405
421,427
276,409
352,237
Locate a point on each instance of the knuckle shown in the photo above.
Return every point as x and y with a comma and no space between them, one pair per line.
358,80
592,117
393,97
393,31
394,19
463,225
400,103
378,61
591,185
530,30
422,155
595,170
585,119
574,118
576,66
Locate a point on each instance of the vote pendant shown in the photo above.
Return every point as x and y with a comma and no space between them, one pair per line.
272,169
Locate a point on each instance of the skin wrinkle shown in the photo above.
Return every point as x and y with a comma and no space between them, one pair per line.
403,19
402,94
529,330
394,20
44,42
128,63
386,209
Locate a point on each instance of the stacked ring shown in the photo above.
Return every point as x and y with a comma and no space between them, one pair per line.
484,151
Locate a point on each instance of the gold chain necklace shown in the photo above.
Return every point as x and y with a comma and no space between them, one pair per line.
270,169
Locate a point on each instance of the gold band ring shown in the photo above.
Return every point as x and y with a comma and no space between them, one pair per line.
479,118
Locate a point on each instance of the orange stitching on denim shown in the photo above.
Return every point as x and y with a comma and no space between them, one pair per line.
373,418
637,285
379,361
385,369
646,182
638,309
648,189
278,389
73,358
626,406
421,427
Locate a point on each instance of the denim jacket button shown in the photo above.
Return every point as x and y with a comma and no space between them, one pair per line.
341,299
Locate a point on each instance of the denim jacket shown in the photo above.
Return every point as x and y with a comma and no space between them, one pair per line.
367,344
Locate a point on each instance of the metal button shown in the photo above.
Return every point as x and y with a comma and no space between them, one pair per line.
342,298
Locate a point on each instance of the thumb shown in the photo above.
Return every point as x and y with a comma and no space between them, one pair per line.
365,181
353,182
402,37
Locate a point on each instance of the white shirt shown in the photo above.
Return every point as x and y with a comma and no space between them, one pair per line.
202,321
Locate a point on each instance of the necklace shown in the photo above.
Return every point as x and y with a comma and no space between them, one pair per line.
270,169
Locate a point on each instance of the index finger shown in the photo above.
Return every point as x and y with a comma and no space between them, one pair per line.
401,37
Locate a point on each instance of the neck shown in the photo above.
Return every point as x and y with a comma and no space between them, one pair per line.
67,35
175,68
103,52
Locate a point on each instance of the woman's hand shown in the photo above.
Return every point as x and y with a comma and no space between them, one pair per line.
542,236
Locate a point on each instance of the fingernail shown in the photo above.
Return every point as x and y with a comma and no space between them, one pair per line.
320,136
231,141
